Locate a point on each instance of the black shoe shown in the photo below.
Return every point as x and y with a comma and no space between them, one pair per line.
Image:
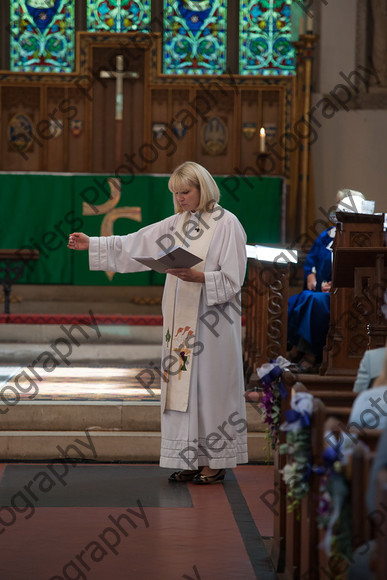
208,479
184,475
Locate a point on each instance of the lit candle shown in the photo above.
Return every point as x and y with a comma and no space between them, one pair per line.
309,21
262,140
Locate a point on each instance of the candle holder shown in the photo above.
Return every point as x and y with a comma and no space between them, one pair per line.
262,158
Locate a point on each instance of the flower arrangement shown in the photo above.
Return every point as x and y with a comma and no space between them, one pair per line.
297,471
334,511
273,391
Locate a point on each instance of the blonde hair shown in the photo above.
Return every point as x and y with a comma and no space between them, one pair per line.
194,175
381,381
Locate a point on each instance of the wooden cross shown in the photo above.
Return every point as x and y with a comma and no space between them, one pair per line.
119,75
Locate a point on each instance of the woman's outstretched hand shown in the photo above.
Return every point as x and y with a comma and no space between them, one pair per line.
78,241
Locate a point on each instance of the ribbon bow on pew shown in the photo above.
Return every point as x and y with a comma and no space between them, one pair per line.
298,416
268,373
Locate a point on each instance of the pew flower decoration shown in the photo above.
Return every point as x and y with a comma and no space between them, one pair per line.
297,448
270,375
334,503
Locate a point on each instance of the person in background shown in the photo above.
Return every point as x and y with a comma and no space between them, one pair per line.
369,409
309,311
370,367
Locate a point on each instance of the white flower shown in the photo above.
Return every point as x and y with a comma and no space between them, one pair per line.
266,368
289,473
302,403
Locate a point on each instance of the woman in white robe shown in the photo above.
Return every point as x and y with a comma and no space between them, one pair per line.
203,427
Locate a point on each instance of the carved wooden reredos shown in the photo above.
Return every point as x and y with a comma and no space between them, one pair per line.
66,122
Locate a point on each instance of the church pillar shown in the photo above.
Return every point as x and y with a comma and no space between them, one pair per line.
301,205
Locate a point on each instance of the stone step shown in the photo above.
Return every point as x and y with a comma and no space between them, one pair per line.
81,415
133,446
96,416
45,334
111,354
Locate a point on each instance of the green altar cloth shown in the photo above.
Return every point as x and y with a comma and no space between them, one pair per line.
40,210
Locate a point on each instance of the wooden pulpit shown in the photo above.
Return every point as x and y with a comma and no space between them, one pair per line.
358,284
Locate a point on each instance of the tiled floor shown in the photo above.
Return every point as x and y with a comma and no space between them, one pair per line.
120,522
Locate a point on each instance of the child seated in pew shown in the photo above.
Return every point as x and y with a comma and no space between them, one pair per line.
369,410
371,366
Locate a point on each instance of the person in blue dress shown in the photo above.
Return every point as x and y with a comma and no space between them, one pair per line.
309,311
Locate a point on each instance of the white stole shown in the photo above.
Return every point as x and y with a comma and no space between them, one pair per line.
181,317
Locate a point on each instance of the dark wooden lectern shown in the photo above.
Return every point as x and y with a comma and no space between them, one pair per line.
265,302
12,264
358,284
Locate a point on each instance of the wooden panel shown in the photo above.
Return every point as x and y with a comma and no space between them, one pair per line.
55,135
182,135
161,135
217,105
251,120
103,107
85,104
272,121
135,150
134,140
77,128
348,335
24,101
259,109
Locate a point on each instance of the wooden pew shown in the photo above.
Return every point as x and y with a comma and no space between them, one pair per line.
277,552
364,530
381,534
291,533
334,398
358,475
302,533
330,383
303,558
359,472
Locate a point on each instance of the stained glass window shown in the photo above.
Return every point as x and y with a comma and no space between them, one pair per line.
194,38
265,37
42,35
118,15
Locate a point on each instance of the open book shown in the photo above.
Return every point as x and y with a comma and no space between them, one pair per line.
176,258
